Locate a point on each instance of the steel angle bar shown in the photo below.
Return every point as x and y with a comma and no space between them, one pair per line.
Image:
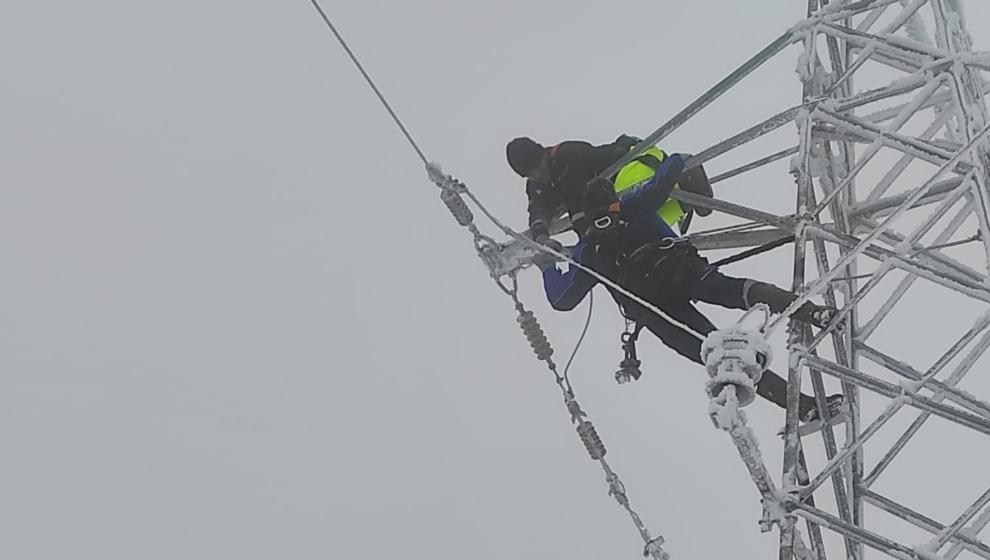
785,223
933,260
829,133
754,165
952,283
977,60
876,206
909,110
909,145
911,241
834,12
847,451
905,160
940,98
845,259
960,398
957,525
900,87
736,239
972,107
971,532
889,47
957,375
866,330
907,12
932,198
768,52
751,133
839,486
923,265
932,266
870,539
897,404
792,441
957,396
890,390
843,80
844,487
871,19
924,522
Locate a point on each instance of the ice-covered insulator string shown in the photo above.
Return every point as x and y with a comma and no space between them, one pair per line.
593,443
534,334
457,207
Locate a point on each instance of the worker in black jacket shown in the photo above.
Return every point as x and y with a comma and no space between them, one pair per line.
557,176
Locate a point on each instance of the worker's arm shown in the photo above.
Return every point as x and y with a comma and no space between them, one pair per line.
650,196
540,212
580,162
565,290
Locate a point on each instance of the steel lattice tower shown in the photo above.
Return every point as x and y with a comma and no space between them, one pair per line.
891,175
892,225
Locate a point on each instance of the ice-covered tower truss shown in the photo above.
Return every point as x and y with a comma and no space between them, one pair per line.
891,176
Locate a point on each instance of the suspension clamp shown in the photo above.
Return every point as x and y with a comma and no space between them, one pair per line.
737,357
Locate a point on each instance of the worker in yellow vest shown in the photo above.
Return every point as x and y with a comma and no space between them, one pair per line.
557,177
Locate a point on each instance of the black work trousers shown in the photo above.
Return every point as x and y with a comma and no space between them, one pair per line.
725,291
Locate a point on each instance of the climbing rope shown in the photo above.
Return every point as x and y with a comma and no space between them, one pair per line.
584,331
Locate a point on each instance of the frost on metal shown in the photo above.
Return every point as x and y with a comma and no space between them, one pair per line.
890,179
735,357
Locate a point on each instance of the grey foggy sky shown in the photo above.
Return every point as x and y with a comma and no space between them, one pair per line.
238,323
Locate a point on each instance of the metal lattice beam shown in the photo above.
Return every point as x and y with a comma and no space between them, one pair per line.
869,217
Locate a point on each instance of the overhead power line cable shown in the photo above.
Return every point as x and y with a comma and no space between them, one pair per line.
371,82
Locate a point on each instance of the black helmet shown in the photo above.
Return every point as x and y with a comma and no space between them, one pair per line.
524,154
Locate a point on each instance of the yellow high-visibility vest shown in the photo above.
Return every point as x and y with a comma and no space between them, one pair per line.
635,172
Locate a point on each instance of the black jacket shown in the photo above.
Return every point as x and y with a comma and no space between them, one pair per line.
572,164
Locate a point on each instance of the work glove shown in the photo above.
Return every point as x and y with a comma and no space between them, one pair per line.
545,260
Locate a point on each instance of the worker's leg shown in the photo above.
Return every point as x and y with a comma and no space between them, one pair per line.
686,313
743,293
774,388
740,293
771,386
681,341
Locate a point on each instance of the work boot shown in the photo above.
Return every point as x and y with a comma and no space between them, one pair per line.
776,298
836,406
816,315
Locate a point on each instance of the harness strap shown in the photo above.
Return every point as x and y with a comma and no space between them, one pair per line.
649,160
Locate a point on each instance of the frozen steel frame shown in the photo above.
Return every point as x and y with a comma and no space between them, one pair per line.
840,133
